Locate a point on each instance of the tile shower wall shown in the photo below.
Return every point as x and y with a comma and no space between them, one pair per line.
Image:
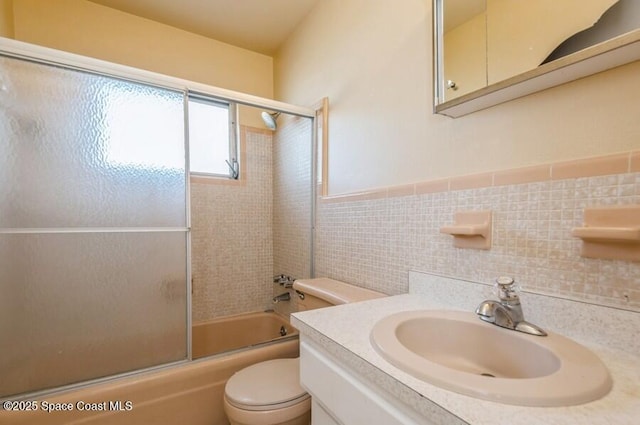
232,236
374,243
291,201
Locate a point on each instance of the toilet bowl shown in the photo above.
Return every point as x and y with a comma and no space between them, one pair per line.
269,393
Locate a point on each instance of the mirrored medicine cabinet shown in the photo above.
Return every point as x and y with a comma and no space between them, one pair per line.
491,51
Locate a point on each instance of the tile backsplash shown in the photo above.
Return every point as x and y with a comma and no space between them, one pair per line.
244,232
373,241
291,202
232,235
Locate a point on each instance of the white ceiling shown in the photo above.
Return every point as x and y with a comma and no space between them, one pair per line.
258,25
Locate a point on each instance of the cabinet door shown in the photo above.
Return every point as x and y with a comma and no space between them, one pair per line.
319,416
347,399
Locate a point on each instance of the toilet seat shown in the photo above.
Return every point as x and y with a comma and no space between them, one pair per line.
269,385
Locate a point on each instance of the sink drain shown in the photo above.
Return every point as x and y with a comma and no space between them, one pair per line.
488,375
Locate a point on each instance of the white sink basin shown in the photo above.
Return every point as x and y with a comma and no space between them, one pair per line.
457,351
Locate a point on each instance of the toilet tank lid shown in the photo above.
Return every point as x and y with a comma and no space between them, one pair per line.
334,291
269,383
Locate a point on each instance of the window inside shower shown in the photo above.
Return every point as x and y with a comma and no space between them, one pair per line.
213,145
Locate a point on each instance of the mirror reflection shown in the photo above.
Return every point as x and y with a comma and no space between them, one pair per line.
484,42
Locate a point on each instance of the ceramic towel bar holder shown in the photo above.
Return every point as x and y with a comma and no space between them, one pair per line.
610,233
471,229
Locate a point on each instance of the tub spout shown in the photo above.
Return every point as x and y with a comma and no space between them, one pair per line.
282,297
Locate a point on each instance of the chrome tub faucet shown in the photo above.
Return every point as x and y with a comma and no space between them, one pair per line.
507,311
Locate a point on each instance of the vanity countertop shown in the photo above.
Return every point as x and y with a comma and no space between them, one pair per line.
344,332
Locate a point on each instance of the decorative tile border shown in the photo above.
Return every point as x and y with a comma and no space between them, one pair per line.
600,166
585,167
534,174
473,181
432,186
635,162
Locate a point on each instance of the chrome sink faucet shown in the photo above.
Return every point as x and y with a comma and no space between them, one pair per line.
507,312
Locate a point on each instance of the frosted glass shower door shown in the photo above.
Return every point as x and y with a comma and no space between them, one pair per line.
93,237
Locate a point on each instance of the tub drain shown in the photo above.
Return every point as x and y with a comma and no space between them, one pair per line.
283,331
488,375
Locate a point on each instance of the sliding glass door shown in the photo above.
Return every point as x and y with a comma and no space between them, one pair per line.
93,226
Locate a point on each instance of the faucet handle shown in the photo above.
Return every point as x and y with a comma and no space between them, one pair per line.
505,280
507,288
284,280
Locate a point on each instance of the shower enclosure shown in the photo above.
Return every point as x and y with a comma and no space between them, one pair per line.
95,249
93,259
245,232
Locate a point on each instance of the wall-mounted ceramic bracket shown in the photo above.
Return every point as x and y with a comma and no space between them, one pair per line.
610,232
472,229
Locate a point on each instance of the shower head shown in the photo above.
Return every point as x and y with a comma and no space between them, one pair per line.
270,119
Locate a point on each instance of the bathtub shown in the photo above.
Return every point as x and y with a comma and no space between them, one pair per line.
234,332
189,393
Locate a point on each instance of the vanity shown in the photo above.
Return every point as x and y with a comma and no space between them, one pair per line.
351,383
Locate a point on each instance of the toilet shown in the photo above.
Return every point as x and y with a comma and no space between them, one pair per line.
269,393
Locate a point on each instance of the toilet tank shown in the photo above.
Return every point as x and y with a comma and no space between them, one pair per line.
325,292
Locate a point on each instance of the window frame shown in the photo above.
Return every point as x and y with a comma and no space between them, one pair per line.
232,160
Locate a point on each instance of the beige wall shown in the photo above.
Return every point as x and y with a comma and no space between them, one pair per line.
373,61
6,18
89,29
